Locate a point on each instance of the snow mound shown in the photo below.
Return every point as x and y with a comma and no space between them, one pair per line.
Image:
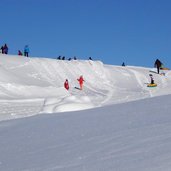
28,79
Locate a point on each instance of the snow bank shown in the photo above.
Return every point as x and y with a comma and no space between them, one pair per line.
24,78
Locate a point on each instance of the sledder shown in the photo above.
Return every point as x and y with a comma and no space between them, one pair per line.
66,84
81,80
152,84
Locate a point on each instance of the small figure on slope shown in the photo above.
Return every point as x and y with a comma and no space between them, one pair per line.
81,80
66,84
152,79
123,64
1,50
20,53
26,51
5,49
151,84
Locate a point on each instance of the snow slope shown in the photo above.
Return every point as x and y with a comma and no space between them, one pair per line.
124,137
30,86
125,127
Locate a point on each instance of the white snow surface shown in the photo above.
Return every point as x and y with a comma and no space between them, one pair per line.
116,123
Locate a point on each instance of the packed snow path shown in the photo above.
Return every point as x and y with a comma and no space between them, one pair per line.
30,86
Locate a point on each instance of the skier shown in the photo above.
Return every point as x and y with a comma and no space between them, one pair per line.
66,84
81,80
26,50
158,64
152,79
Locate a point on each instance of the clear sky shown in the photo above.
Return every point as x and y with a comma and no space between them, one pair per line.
114,31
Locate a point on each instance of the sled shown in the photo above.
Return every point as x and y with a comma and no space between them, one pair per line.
157,73
152,85
164,68
77,88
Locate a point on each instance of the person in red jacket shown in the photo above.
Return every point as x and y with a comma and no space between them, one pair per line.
66,84
81,80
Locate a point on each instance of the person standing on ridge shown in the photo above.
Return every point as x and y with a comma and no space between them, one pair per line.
5,49
20,53
66,84
81,80
2,49
123,64
158,64
26,50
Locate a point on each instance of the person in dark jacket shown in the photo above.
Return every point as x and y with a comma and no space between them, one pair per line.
152,79
59,57
123,64
5,49
158,65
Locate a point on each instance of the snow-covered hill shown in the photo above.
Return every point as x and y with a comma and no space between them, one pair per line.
30,86
128,127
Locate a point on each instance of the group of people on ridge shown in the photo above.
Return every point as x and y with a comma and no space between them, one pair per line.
69,59
80,80
4,50
26,51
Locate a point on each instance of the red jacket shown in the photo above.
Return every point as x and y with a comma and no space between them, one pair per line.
81,80
66,85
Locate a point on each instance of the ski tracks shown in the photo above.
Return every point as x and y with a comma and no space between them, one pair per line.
11,109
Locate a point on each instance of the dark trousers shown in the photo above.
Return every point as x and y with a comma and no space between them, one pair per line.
158,70
26,54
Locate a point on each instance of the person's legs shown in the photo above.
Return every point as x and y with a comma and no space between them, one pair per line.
158,69
81,86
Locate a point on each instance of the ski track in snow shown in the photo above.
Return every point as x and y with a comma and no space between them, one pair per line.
12,109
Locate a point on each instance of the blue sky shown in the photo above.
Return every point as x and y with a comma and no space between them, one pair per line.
114,31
